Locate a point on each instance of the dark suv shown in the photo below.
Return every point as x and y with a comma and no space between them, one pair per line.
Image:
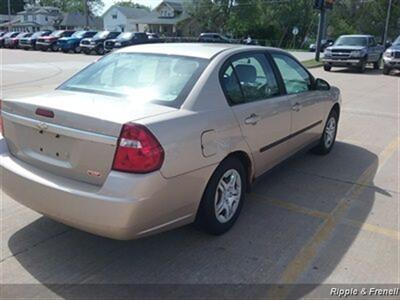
126,39
213,38
96,43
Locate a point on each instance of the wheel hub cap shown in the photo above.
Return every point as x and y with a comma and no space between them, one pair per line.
330,132
227,196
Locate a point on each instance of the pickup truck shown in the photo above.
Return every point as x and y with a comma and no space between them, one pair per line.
391,57
353,51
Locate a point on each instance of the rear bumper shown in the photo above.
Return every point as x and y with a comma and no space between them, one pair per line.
342,62
127,206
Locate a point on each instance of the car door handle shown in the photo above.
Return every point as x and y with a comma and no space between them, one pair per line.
296,107
252,120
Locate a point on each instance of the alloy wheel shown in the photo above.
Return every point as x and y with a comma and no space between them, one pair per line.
330,132
228,195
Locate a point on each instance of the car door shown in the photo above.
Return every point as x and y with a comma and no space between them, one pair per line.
307,104
261,108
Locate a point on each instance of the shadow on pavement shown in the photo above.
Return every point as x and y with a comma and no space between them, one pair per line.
240,264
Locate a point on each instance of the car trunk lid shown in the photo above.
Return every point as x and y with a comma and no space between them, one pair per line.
71,134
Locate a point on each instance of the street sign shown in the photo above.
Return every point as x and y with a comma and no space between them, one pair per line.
295,30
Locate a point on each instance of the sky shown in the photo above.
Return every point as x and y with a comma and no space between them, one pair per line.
152,3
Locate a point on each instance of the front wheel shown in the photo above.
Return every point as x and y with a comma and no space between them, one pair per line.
327,68
377,64
77,49
100,50
54,48
328,137
362,67
223,198
386,70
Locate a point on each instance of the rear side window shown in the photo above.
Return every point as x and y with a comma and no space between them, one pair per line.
249,78
295,77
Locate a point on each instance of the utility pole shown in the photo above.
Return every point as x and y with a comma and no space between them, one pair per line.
9,15
385,33
320,33
86,10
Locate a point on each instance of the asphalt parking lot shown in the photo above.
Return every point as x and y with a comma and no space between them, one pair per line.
313,220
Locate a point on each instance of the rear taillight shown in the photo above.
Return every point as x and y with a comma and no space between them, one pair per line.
138,150
1,119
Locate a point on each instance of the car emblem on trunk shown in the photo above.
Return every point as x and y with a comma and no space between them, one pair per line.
42,126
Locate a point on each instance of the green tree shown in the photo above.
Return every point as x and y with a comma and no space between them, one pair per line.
16,6
130,3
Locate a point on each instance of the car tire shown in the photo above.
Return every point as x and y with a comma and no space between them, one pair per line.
77,49
100,50
386,70
328,138
223,198
327,68
363,66
54,48
377,64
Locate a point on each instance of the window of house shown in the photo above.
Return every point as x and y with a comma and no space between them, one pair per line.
115,16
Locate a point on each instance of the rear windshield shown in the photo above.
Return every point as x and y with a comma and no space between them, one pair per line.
164,79
351,41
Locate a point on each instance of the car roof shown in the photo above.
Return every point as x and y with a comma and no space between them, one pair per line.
357,35
199,50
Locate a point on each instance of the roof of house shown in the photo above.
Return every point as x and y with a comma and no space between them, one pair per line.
155,18
129,12
176,5
76,19
48,10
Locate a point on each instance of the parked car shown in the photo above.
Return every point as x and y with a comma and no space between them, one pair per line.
2,33
324,44
13,42
153,38
126,39
391,57
96,43
354,51
30,42
72,43
117,149
8,35
45,43
213,38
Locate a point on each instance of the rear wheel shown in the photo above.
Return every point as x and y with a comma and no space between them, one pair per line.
77,49
327,68
328,137
54,48
223,198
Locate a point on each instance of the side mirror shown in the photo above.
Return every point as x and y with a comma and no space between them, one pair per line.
322,85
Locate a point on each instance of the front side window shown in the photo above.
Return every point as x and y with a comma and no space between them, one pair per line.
295,77
139,76
253,76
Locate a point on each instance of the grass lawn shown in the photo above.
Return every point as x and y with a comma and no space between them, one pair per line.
312,63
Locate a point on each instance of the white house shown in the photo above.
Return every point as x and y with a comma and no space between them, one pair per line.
119,18
35,18
165,18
